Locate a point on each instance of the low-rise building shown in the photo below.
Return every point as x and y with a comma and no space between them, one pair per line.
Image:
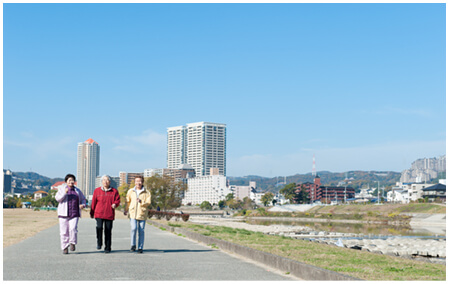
257,197
414,190
242,191
39,194
210,188
434,192
398,196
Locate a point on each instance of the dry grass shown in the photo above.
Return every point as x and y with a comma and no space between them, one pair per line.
20,224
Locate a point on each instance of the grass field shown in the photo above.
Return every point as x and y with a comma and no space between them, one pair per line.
355,263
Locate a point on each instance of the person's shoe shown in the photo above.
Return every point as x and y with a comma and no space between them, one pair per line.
98,247
133,248
65,251
107,251
72,247
140,251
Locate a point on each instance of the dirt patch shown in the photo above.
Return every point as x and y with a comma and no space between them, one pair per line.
20,224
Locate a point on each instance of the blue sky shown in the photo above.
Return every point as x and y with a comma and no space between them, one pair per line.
361,86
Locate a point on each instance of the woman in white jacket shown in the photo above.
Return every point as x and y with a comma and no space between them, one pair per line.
71,201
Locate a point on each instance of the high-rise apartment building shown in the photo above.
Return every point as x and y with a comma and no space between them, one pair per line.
201,145
88,165
176,146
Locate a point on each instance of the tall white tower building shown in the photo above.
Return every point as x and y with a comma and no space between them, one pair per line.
201,145
88,166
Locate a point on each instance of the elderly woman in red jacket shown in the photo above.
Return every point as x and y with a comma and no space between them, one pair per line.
104,202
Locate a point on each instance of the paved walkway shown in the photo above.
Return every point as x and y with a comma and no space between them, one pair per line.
166,257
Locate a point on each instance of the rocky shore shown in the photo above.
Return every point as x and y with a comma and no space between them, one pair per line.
433,250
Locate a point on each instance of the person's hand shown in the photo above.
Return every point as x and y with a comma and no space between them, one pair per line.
113,206
138,200
66,189
91,214
82,206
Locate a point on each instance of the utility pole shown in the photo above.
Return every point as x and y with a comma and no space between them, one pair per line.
345,194
378,190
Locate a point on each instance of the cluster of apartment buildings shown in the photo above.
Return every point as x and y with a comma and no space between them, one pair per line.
326,194
410,192
196,155
424,170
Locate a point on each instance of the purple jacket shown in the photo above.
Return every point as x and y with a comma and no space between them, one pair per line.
61,197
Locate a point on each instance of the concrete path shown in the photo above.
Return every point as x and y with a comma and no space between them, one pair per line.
166,257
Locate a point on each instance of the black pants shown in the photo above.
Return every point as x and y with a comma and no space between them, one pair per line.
107,233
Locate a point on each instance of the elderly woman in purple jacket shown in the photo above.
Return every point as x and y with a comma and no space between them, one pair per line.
71,201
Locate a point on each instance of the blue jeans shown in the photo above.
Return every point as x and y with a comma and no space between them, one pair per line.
137,225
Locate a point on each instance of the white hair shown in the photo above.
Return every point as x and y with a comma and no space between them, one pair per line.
105,176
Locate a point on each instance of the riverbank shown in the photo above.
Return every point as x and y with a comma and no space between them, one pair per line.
355,263
431,250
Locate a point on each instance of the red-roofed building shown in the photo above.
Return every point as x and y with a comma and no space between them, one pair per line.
39,194
56,185
90,141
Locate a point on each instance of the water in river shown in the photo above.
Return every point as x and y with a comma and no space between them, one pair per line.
358,228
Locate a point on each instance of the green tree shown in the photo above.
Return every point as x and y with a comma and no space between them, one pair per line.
289,191
166,192
229,196
267,198
302,196
235,204
221,204
274,201
205,205
19,204
248,203
123,190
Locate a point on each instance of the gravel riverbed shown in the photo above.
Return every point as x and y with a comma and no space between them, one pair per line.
432,250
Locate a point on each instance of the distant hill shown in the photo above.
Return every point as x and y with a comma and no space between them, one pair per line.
356,179
29,181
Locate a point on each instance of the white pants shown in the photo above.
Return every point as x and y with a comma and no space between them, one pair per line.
68,229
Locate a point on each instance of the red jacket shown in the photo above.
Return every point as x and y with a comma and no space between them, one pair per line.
102,203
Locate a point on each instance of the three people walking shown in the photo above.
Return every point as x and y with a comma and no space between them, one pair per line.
137,201
104,201
71,200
